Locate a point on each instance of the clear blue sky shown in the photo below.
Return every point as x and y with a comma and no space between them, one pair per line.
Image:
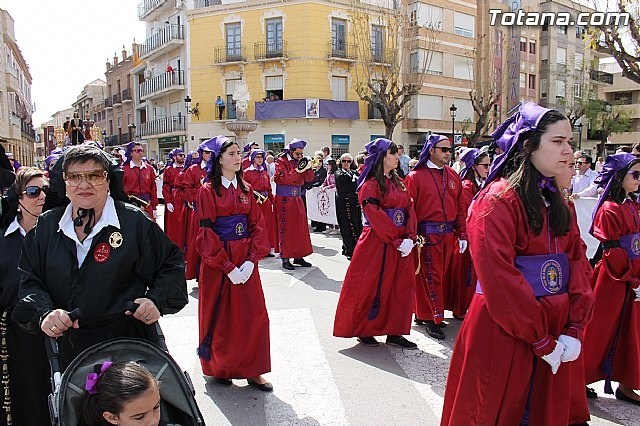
67,42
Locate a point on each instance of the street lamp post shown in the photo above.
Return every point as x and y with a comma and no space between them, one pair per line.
579,126
452,111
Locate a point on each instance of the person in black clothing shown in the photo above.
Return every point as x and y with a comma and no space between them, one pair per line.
97,255
7,176
25,397
348,209
319,175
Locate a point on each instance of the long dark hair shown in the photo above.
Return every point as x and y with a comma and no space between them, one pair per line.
471,173
120,384
11,202
378,171
523,177
215,174
617,192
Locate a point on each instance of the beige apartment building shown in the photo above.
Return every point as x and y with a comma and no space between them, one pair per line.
91,95
624,94
117,117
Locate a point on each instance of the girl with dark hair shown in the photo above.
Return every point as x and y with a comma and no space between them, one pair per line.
233,320
378,293
613,337
124,394
512,362
257,175
348,211
25,378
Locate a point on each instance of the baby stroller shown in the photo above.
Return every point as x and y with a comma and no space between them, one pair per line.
178,404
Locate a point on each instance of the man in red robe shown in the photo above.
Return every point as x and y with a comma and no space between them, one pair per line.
291,213
172,219
140,179
436,190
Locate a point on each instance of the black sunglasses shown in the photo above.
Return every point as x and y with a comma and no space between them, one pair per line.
444,149
34,191
486,166
346,161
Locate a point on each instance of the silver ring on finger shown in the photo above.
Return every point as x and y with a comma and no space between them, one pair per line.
53,328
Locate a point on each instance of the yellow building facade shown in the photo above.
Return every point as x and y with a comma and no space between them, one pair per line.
298,54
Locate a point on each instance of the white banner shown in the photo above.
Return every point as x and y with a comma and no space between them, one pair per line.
321,205
584,209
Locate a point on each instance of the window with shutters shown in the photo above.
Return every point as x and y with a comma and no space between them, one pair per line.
377,43
234,41
230,104
339,88
462,67
464,24
338,37
275,87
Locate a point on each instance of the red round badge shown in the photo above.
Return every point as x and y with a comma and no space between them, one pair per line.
102,252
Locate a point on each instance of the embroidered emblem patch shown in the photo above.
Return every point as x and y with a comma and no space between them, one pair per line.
115,239
398,218
452,185
294,192
635,245
239,229
102,252
551,276
243,199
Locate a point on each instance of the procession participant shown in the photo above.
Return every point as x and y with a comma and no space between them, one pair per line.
51,160
96,254
257,176
180,204
291,214
25,368
462,283
378,292
612,339
75,129
247,149
233,319
348,211
436,190
15,164
139,179
533,296
172,219
7,175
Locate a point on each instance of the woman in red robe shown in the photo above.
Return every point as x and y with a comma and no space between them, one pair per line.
257,176
612,340
513,360
378,294
233,320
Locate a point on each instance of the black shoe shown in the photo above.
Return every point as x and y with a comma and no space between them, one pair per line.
435,331
264,387
591,393
400,341
300,261
424,322
368,341
458,317
622,397
225,382
287,265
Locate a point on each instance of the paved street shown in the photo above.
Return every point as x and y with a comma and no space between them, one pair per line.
323,380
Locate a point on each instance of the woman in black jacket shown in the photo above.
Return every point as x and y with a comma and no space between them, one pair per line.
348,209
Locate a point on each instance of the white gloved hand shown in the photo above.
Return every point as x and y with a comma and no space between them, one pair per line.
554,359
573,347
463,245
637,292
170,207
236,276
307,167
247,269
155,214
405,247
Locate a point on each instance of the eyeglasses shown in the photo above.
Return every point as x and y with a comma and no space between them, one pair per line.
94,177
635,174
137,150
579,163
486,166
346,161
34,191
180,155
444,149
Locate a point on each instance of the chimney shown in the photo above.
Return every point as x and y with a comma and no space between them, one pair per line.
124,53
115,59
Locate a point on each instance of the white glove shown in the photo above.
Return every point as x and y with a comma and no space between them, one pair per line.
155,214
573,348
170,207
405,247
463,245
236,276
637,292
554,359
247,269
307,167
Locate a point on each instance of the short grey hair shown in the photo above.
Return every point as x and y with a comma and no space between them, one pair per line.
345,156
83,154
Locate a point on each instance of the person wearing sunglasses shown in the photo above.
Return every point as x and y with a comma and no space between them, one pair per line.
517,354
348,210
96,255
461,278
582,183
140,179
172,218
28,367
436,190
611,339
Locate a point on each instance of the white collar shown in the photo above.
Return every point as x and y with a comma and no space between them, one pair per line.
13,227
203,164
431,165
132,164
226,182
175,165
290,157
109,217
251,167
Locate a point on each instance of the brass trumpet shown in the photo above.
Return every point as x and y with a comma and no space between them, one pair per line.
138,201
259,197
302,164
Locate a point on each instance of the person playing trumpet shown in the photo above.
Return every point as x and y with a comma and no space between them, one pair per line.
257,176
140,179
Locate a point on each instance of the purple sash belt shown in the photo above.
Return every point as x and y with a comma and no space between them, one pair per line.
631,244
229,228
398,216
430,227
288,190
547,274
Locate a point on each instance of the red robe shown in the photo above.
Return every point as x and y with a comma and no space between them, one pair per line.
377,264
494,355
611,284
141,182
172,220
192,180
181,208
260,181
240,344
462,285
437,197
291,213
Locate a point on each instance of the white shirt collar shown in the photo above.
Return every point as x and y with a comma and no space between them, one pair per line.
13,227
431,165
109,217
203,164
132,164
226,182
175,165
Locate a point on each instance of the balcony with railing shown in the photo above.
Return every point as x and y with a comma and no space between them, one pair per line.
27,130
270,50
341,51
117,99
168,37
147,8
230,54
108,102
161,84
200,4
163,126
601,76
126,96
383,56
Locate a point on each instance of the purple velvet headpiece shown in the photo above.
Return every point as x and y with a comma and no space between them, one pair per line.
252,157
127,152
49,159
294,144
468,157
376,149
426,148
247,146
189,160
214,145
